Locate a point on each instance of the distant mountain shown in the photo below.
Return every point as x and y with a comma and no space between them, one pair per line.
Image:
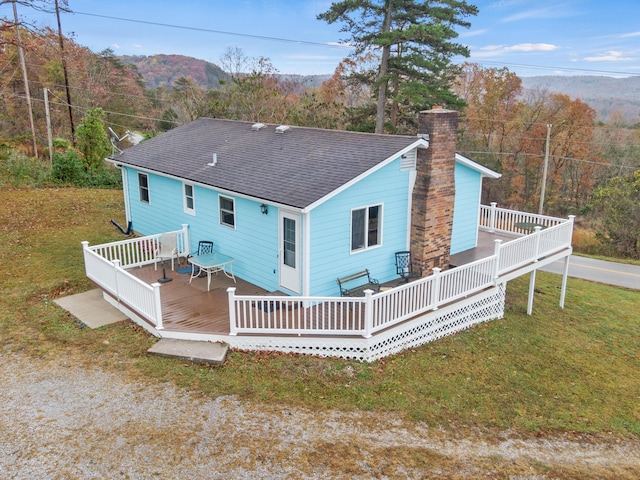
164,70
604,94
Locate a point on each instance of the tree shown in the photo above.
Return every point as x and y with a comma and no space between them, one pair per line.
415,40
93,140
618,207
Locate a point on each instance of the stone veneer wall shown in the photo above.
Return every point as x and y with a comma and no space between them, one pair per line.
434,191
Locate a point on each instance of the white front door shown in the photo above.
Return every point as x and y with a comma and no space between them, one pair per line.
290,277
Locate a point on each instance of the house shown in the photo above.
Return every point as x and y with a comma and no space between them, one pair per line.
294,209
299,207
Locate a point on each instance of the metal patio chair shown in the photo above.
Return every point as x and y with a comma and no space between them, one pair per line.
405,267
204,247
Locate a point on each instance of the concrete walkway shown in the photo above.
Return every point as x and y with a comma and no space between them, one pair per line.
91,308
94,311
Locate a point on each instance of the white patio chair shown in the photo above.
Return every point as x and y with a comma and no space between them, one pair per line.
168,248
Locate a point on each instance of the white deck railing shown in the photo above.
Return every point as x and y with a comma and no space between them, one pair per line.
339,316
137,295
360,315
374,312
494,219
105,264
531,248
135,252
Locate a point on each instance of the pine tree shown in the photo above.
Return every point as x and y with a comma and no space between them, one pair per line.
415,39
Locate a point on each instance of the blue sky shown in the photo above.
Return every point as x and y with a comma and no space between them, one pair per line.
544,37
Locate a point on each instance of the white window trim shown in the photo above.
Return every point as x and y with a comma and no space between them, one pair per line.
366,224
140,187
235,216
185,197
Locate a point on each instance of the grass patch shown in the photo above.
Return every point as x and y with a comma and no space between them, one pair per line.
558,370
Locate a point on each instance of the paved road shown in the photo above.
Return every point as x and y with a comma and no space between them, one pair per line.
611,273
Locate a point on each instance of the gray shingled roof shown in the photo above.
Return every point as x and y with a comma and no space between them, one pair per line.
294,168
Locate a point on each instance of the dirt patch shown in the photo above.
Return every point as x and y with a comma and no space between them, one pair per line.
59,420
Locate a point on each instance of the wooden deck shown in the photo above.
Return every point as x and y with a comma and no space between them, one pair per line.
484,249
188,307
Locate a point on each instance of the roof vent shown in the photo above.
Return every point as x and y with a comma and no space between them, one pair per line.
282,128
214,160
257,126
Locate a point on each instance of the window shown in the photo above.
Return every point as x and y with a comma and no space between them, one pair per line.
143,186
289,242
365,227
189,200
227,211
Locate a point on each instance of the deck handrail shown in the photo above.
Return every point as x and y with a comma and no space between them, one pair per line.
137,295
105,264
382,310
139,251
495,219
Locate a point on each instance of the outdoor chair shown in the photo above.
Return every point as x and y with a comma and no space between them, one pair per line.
204,247
405,267
168,248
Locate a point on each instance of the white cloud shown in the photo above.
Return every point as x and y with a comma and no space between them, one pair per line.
532,47
340,44
630,35
116,46
495,50
137,45
473,33
610,56
309,57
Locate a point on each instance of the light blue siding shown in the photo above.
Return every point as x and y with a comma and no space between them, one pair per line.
465,211
330,247
253,243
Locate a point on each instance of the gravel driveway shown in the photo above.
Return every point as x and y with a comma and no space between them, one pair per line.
61,421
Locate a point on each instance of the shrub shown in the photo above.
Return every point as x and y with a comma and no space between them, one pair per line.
18,169
68,168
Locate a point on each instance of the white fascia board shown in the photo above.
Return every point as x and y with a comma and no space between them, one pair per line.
224,191
484,171
419,143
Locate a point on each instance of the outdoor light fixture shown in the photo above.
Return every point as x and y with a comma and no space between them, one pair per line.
264,209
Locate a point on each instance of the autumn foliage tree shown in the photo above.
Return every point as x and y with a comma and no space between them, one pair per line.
506,128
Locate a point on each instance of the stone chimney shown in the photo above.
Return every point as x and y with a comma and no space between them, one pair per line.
434,190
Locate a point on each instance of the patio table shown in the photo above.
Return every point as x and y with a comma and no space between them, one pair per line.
211,263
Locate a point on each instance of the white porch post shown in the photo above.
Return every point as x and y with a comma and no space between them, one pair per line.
157,305
532,286
536,232
233,328
368,313
497,244
187,241
435,293
492,217
116,265
565,274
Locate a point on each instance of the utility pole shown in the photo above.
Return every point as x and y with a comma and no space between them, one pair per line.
26,81
544,171
66,76
48,115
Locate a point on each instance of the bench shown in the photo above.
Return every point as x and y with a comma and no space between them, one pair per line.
355,284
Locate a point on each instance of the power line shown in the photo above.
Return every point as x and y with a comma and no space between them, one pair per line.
547,67
220,32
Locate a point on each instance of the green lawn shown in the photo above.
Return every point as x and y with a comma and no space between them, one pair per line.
575,369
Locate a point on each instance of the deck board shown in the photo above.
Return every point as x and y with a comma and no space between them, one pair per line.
188,307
